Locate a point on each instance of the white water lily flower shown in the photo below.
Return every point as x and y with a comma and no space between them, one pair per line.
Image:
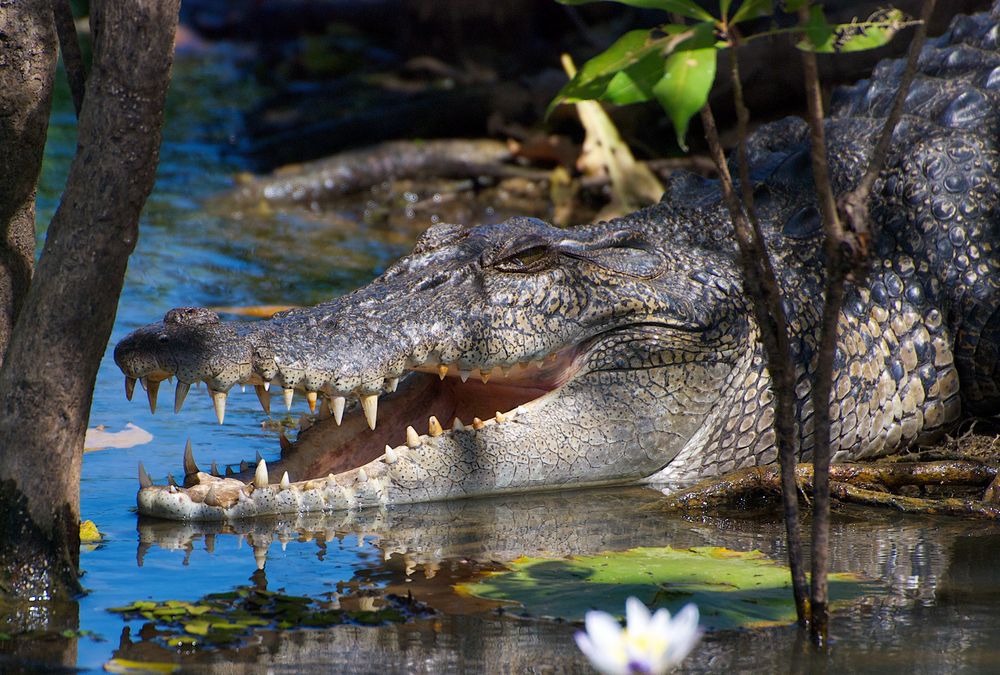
648,644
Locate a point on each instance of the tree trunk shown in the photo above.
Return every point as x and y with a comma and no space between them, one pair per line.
27,68
47,379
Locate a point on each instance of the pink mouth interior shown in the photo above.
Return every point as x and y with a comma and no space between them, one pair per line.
326,448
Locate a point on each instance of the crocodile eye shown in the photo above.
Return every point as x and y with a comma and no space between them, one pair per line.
533,259
162,338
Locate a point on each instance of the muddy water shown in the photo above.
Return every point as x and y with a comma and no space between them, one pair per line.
937,608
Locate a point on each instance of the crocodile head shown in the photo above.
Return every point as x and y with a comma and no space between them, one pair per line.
496,358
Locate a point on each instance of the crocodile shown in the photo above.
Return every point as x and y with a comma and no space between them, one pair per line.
532,357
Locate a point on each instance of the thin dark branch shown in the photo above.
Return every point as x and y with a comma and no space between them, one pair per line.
69,46
854,204
761,287
882,147
742,121
823,376
846,251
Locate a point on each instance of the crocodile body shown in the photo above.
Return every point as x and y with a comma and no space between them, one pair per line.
625,351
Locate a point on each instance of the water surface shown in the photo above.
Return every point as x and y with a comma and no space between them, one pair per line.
936,609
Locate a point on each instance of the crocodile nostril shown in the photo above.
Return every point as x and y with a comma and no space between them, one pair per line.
162,339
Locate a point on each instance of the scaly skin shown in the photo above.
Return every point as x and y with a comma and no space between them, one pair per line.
651,368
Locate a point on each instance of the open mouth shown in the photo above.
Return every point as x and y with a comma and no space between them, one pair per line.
431,401
349,442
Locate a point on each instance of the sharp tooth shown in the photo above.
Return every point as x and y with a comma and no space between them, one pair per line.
267,386
484,375
171,481
129,387
362,475
264,397
337,404
152,390
311,400
259,457
180,393
172,489
190,467
370,405
412,438
144,480
243,465
215,468
443,370
219,402
229,471
285,483
260,475
434,427
500,417
142,383
477,423
464,374
289,394
285,444
324,409
391,384
457,425
505,370
390,455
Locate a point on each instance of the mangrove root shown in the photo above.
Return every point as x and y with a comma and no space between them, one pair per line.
868,484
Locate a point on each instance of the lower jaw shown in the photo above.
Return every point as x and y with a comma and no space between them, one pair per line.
329,466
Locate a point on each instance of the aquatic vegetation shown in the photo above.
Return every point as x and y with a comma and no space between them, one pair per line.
733,589
226,618
650,643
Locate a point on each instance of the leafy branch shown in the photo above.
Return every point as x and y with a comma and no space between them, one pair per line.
675,64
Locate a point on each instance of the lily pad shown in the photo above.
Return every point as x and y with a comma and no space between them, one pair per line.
127,666
224,618
89,533
732,589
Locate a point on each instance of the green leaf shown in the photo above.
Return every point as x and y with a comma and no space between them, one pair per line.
197,627
753,9
817,31
593,79
684,87
687,8
732,589
635,83
127,666
856,36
